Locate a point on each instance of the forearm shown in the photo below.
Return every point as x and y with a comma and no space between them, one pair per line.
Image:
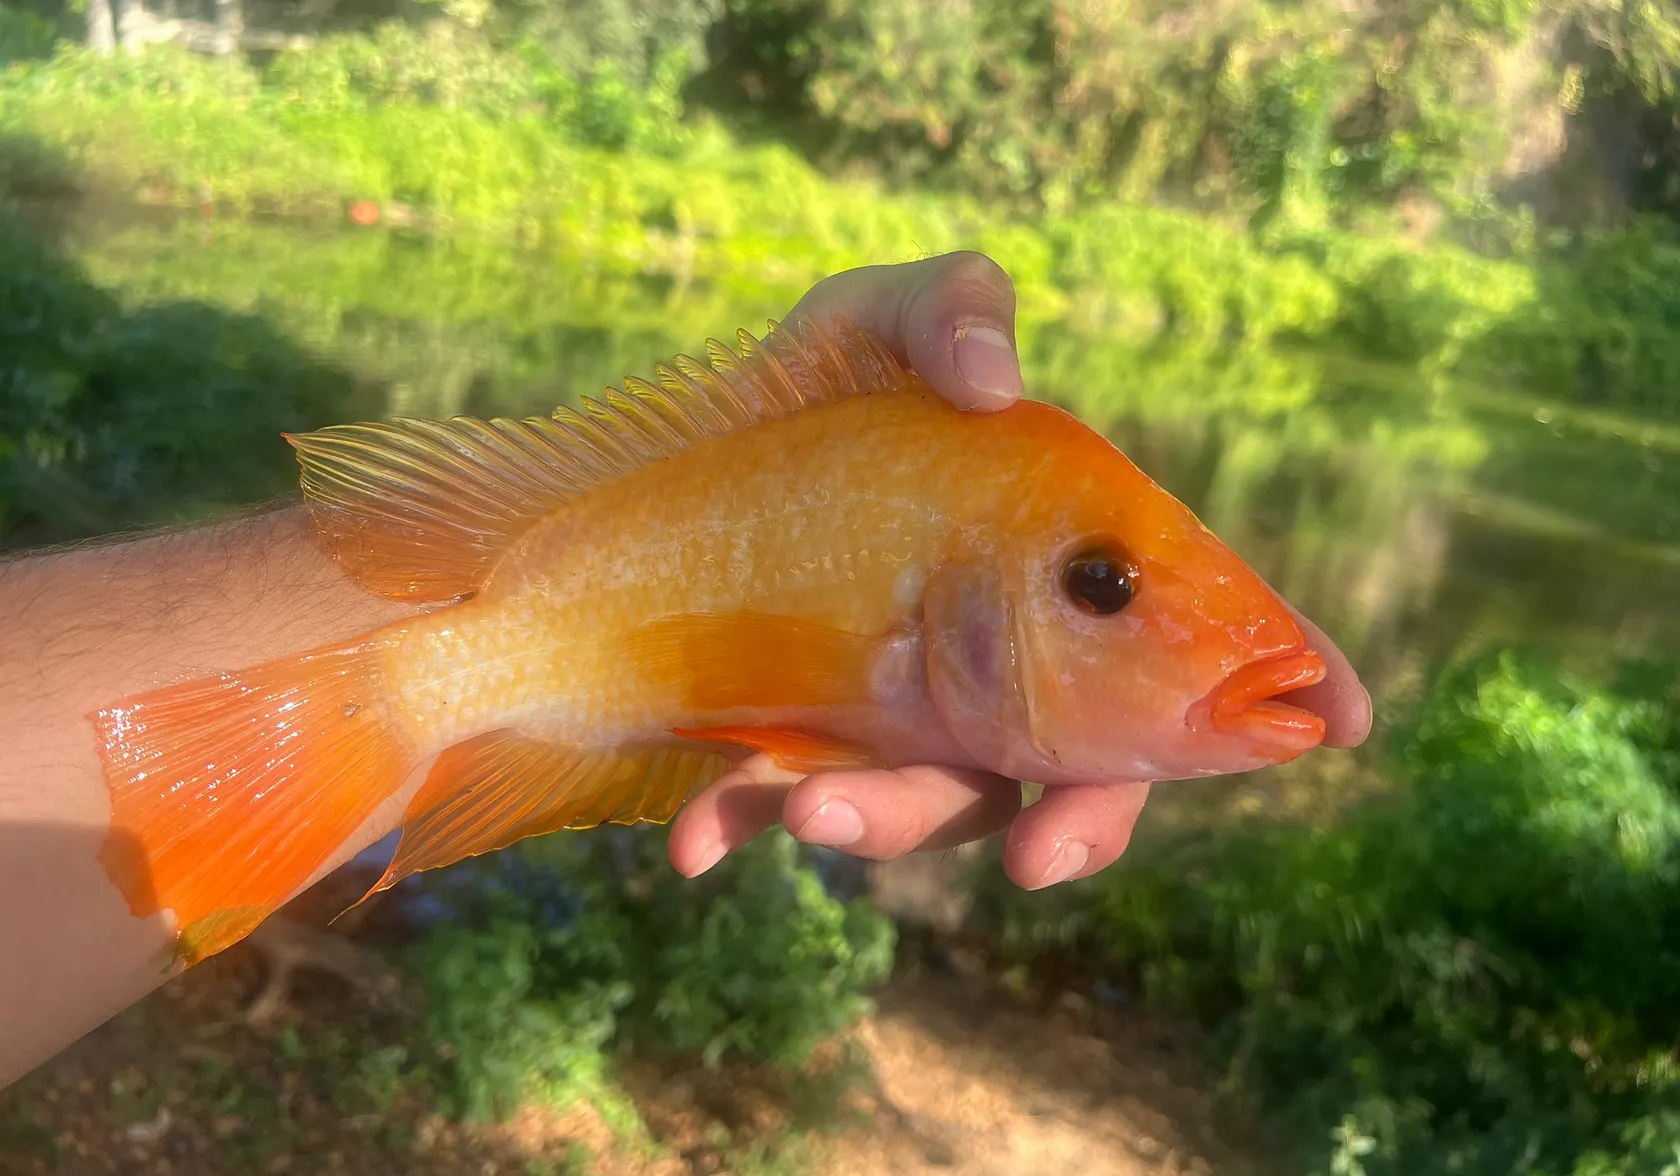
80,629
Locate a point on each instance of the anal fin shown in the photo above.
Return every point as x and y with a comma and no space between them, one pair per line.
504,786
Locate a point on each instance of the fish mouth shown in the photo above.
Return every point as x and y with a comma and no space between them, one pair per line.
1246,703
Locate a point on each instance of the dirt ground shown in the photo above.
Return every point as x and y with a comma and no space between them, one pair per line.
960,1078
963,1086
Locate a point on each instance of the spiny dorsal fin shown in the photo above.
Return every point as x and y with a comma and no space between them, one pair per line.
422,510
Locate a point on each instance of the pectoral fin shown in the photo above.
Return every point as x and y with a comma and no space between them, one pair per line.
724,661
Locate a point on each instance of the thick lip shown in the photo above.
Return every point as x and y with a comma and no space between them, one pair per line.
1245,703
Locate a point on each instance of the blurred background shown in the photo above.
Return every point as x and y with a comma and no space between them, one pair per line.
1389,292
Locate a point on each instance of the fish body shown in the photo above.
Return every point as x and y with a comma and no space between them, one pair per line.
564,639
801,550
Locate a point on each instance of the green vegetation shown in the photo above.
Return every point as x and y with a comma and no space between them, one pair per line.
536,974
459,128
106,413
1344,278
555,947
332,322
1269,110
559,955
1476,973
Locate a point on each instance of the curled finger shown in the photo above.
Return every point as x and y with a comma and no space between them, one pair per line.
1075,831
886,814
731,811
1339,698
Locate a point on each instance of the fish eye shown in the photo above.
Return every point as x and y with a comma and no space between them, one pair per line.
1099,580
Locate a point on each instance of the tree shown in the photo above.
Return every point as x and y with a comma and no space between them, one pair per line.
230,23
129,14
101,35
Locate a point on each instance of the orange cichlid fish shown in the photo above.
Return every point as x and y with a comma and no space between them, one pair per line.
799,549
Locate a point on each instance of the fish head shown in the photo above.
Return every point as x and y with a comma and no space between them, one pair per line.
1103,634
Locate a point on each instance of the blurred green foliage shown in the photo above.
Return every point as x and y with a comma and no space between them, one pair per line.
1265,111
442,324
1479,973
634,45
108,413
446,66
442,126
1268,109
24,36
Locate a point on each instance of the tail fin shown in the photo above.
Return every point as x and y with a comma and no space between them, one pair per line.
228,793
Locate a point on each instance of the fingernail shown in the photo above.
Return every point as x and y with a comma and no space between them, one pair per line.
835,823
713,855
1067,863
987,363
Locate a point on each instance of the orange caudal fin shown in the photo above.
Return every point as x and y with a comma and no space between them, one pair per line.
229,793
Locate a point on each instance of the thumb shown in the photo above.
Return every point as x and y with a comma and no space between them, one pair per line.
951,318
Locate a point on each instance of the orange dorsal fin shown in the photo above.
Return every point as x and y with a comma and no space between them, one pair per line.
229,793
794,749
722,661
501,787
423,510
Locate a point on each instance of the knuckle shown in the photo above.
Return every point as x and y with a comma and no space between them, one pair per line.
977,274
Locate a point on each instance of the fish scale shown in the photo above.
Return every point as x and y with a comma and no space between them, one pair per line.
537,649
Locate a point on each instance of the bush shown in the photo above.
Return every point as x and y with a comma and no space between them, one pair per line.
440,64
638,42
1479,974
505,144
24,36
502,1039
771,971
579,938
448,67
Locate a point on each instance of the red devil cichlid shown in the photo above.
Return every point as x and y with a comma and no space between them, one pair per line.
800,549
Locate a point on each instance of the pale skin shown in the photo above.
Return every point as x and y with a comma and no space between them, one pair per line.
85,626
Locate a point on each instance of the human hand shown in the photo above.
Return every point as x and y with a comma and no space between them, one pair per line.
952,319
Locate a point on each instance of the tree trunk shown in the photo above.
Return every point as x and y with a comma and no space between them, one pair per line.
128,22
230,22
101,36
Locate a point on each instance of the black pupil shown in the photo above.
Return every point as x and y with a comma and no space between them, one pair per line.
1099,582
